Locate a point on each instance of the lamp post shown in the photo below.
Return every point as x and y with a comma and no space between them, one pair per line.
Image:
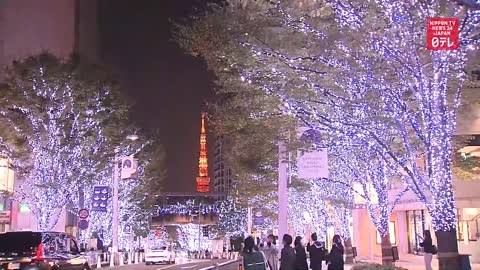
115,221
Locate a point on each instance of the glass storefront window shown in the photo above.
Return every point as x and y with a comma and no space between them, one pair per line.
391,231
416,226
468,224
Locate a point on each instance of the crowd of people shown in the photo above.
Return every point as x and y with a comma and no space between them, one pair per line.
266,256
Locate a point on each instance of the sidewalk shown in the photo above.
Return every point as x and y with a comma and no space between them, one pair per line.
410,262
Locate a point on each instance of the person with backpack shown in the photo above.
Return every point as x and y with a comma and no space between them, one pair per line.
428,248
252,259
287,255
317,253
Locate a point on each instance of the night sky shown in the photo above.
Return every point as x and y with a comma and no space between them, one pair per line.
168,86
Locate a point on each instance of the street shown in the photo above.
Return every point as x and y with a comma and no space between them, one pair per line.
194,265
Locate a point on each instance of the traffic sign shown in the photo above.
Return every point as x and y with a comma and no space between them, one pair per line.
83,224
158,233
83,214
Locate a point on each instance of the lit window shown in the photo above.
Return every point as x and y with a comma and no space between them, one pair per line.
391,231
6,175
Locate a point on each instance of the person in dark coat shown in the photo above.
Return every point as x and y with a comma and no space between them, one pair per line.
300,255
428,249
252,259
317,253
335,258
287,255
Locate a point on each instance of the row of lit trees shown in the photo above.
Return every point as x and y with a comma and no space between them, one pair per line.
63,123
359,72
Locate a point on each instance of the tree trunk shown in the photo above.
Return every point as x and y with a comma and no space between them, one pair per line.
447,250
387,254
348,251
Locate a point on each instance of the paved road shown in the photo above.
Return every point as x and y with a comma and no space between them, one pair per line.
196,265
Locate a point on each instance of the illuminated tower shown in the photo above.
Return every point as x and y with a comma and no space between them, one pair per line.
203,181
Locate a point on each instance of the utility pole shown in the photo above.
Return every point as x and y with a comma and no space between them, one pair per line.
115,206
199,230
282,190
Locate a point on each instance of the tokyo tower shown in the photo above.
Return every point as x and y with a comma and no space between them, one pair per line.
203,181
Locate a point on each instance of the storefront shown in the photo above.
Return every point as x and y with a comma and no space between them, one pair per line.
415,226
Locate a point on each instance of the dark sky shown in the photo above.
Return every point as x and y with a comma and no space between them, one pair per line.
168,86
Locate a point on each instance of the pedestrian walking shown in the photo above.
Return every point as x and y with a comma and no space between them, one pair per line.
271,252
428,248
335,257
252,259
300,255
287,256
317,253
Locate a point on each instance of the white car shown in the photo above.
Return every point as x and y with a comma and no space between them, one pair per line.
160,255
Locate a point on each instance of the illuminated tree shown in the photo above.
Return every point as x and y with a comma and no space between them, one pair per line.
62,127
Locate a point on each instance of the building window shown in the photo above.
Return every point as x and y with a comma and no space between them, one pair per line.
392,231
468,224
6,175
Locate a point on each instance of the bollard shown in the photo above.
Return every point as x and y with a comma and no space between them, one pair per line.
216,266
136,258
112,260
129,257
99,261
240,266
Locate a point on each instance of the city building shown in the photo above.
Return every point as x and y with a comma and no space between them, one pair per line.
222,173
59,27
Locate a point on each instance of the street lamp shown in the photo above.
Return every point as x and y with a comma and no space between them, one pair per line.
115,221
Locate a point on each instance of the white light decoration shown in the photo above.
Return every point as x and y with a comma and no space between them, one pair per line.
369,82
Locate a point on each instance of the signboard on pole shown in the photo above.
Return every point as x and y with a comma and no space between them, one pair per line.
83,224
100,198
4,216
129,167
442,34
258,219
312,164
83,214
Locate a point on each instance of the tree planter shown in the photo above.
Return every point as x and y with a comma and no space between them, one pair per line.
447,250
387,254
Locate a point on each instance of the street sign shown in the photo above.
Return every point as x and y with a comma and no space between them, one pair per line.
442,34
100,198
83,224
83,214
258,219
312,164
129,167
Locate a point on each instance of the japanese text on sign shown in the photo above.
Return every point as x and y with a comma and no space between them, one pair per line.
442,34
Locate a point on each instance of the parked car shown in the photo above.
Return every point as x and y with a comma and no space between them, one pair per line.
40,251
160,255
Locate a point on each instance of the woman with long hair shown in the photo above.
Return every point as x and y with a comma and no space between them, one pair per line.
300,255
428,249
335,258
287,257
271,252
